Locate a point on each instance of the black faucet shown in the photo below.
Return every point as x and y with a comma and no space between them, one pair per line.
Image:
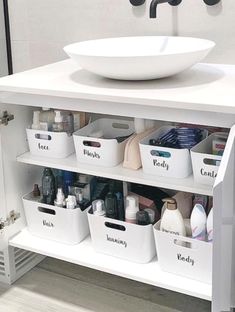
154,4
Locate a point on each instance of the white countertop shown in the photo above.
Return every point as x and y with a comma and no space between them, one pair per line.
205,87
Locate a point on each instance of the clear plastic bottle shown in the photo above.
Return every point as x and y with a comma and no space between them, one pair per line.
47,116
36,120
58,125
132,207
48,187
60,198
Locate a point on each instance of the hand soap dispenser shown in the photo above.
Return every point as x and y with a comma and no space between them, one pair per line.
132,159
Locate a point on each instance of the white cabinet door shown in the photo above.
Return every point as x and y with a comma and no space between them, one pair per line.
223,291
15,179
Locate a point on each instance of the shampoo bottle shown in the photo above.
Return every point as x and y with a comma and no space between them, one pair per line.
209,226
172,220
198,222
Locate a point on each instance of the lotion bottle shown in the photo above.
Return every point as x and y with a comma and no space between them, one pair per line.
209,226
132,159
198,222
172,220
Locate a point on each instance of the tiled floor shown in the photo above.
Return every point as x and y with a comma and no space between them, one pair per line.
56,286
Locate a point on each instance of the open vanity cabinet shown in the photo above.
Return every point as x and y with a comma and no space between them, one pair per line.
204,95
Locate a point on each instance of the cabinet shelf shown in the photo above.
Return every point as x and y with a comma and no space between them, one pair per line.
83,254
118,173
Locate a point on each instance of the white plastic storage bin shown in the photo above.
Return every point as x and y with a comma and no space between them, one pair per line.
205,164
193,261
68,226
50,144
130,241
176,163
98,151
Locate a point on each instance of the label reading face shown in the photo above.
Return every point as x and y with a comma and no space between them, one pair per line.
47,223
43,147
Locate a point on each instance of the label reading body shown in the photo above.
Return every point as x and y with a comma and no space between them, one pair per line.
161,164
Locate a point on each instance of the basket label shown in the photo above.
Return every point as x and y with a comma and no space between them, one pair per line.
116,240
185,259
211,174
47,223
91,154
43,147
162,164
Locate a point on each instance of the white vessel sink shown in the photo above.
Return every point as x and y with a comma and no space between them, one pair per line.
139,58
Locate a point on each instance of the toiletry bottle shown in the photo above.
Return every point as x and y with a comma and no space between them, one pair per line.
172,220
68,178
48,187
132,158
151,214
70,124
209,226
36,192
120,206
98,207
59,178
198,222
58,126
47,117
142,217
132,208
60,198
82,203
71,202
111,203
36,120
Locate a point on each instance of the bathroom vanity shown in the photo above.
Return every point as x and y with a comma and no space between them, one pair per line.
203,95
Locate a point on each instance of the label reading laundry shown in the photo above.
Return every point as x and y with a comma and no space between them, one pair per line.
188,259
116,240
91,154
211,174
43,147
163,164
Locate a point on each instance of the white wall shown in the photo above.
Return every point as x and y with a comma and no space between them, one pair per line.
41,28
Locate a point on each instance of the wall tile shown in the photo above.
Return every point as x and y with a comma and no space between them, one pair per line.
48,25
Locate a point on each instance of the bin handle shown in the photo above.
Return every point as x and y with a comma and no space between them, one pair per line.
40,136
119,125
47,210
185,244
211,162
92,143
158,153
115,226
